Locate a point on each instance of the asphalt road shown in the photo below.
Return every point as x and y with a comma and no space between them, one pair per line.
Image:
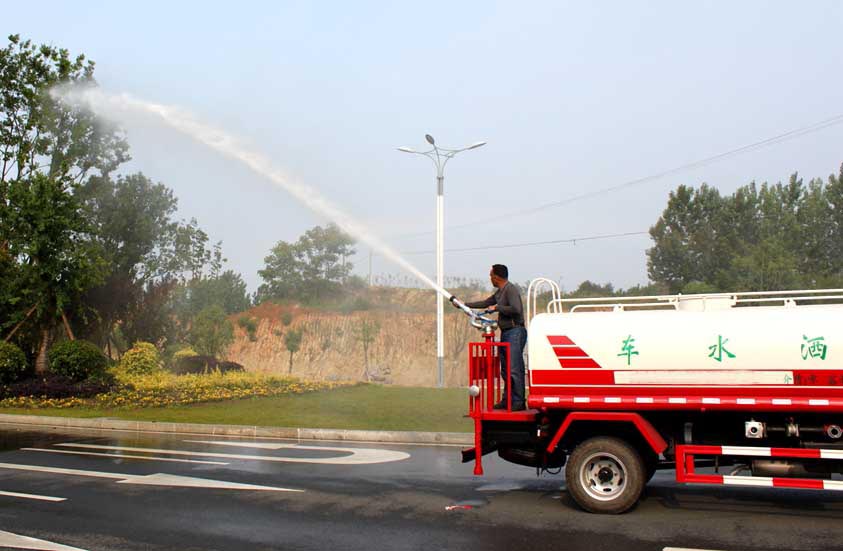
98,491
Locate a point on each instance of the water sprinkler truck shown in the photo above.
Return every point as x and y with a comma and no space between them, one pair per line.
738,389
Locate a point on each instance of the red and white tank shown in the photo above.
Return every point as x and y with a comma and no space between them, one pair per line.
772,351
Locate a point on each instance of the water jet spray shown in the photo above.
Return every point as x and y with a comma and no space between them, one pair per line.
117,106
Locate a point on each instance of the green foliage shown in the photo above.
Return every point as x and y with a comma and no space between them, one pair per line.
287,318
292,341
77,360
12,363
772,237
227,290
141,359
157,266
211,332
76,239
590,289
250,325
46,149
311,269
47,238
185,352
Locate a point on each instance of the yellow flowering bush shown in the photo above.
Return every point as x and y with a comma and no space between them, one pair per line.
166,389
141,359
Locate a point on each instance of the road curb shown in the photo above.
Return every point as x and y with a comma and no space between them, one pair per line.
105,423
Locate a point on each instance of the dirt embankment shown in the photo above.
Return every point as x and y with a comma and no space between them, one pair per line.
394,343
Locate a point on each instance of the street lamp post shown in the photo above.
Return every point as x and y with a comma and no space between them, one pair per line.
440,157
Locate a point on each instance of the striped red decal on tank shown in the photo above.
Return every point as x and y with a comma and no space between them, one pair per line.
570,352
570,355
579,363
556,377
555,340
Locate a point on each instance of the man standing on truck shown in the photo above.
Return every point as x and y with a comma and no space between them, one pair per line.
506,301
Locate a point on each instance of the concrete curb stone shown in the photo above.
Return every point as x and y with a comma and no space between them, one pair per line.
105,423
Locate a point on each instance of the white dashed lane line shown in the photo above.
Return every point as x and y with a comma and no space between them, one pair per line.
32,496
15,541
123,456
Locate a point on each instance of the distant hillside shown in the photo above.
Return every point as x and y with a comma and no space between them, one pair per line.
402,331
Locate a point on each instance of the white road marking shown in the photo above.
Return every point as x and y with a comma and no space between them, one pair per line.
358,456
8,539
33,496
122,456
257,445
157,479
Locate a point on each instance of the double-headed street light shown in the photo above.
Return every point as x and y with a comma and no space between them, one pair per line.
440,157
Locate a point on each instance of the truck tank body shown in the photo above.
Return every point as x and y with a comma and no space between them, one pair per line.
754,357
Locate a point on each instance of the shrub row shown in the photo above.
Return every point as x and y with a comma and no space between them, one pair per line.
166,389
70,360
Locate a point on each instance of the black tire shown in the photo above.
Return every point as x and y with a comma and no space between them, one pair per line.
605,475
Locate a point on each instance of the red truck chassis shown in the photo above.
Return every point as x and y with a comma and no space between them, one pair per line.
612,445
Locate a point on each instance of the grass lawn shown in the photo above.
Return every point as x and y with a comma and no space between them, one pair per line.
367,407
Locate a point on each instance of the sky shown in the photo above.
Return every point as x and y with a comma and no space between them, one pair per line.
572,98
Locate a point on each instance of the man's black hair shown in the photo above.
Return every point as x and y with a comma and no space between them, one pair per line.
500,270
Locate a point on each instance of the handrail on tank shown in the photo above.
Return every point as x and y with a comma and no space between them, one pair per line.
624,307
535,288
787,298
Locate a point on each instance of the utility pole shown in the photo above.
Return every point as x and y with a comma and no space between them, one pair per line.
440,157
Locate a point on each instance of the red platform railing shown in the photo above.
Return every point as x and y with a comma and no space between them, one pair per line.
484,373
484,376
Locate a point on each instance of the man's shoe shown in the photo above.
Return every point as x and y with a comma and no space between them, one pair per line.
519,407
499,405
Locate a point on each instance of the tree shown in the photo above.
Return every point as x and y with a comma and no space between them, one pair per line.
228,290
46,150
366,332
768,237
590,289
688,238
311,269
38,132
211,331
151,257
56,263
292,340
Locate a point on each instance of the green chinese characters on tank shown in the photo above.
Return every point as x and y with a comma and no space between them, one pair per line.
718,350
814,348
628,349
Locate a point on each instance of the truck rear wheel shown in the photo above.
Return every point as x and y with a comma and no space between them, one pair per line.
605,475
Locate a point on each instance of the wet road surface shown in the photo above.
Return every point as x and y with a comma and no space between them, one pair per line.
120,490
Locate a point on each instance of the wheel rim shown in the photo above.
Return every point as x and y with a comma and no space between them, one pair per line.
603,476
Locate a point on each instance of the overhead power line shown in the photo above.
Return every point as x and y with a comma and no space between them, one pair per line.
572,240
789,135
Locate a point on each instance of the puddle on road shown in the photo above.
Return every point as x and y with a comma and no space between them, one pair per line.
501,487
12,439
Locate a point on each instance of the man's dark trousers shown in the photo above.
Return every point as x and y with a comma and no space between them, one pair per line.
517,339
